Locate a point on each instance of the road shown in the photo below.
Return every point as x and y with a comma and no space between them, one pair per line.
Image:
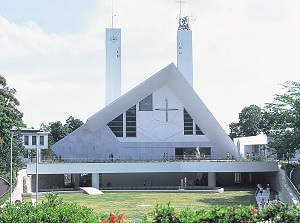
4,186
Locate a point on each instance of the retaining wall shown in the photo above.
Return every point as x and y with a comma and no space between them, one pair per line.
279,183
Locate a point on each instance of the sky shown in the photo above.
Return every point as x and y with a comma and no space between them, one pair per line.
53,52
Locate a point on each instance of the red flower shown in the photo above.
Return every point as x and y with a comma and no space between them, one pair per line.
104,221
122,218
112,218
254,211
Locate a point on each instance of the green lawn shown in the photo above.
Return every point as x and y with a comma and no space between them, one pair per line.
135,204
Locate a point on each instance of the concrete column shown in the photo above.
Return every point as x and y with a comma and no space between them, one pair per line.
95,180
76,180
211,179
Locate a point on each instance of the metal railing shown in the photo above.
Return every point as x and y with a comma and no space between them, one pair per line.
177,158
294,188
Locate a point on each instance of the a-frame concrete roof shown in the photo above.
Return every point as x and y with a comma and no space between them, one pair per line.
169,76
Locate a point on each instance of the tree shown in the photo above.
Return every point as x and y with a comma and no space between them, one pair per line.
58,130
10,116
250,121
73,123
281,120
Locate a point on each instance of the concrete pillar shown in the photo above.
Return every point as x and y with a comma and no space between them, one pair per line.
95,180
211,179
76,180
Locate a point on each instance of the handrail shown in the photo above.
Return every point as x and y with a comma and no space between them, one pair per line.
295,190
118,160
6,181
176,158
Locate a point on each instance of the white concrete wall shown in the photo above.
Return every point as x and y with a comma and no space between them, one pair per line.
113,64
157,167
185,54
155,136
30,145
247,143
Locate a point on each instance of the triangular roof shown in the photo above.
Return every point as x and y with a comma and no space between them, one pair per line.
169,76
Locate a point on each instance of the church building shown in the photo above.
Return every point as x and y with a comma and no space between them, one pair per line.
155,135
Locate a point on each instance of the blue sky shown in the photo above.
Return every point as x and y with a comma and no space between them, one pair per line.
53,51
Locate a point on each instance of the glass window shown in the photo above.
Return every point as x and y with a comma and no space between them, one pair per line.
26,140
131,122
238,177
146,104
198,130
116,126
188,123
26,154
42,140
33,140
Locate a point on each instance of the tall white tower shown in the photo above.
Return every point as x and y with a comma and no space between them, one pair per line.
113,64
184,49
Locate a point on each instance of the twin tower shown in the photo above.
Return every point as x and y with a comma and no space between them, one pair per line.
113,58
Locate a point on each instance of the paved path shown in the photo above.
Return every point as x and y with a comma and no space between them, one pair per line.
4,186
265,195
17,193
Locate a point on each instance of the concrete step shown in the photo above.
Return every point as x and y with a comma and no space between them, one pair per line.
91,190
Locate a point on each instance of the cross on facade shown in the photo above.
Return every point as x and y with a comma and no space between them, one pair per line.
166,109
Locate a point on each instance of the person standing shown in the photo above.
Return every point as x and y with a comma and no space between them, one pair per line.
263,203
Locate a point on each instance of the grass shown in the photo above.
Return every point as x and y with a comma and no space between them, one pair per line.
135,204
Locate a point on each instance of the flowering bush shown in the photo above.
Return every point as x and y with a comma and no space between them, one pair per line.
115,219
54,210
217,214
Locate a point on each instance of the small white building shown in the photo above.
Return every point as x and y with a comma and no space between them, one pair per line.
33,139
254,146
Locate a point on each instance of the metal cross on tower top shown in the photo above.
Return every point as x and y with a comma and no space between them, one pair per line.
180,1
183,21
166,109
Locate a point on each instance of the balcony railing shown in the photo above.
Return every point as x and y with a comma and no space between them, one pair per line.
177,158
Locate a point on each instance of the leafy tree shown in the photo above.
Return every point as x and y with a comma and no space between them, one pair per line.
250,121
234,130
10,116
281,120
59,130
73,123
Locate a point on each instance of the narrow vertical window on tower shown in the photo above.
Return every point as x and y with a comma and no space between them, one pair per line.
131,122
179,48
116,126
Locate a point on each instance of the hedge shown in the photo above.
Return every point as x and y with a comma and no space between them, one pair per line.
54,210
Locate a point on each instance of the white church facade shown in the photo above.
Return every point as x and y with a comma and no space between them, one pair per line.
155,135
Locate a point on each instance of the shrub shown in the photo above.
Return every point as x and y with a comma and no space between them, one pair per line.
217,214
53,210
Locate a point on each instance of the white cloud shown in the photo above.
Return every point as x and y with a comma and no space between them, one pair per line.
242,51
